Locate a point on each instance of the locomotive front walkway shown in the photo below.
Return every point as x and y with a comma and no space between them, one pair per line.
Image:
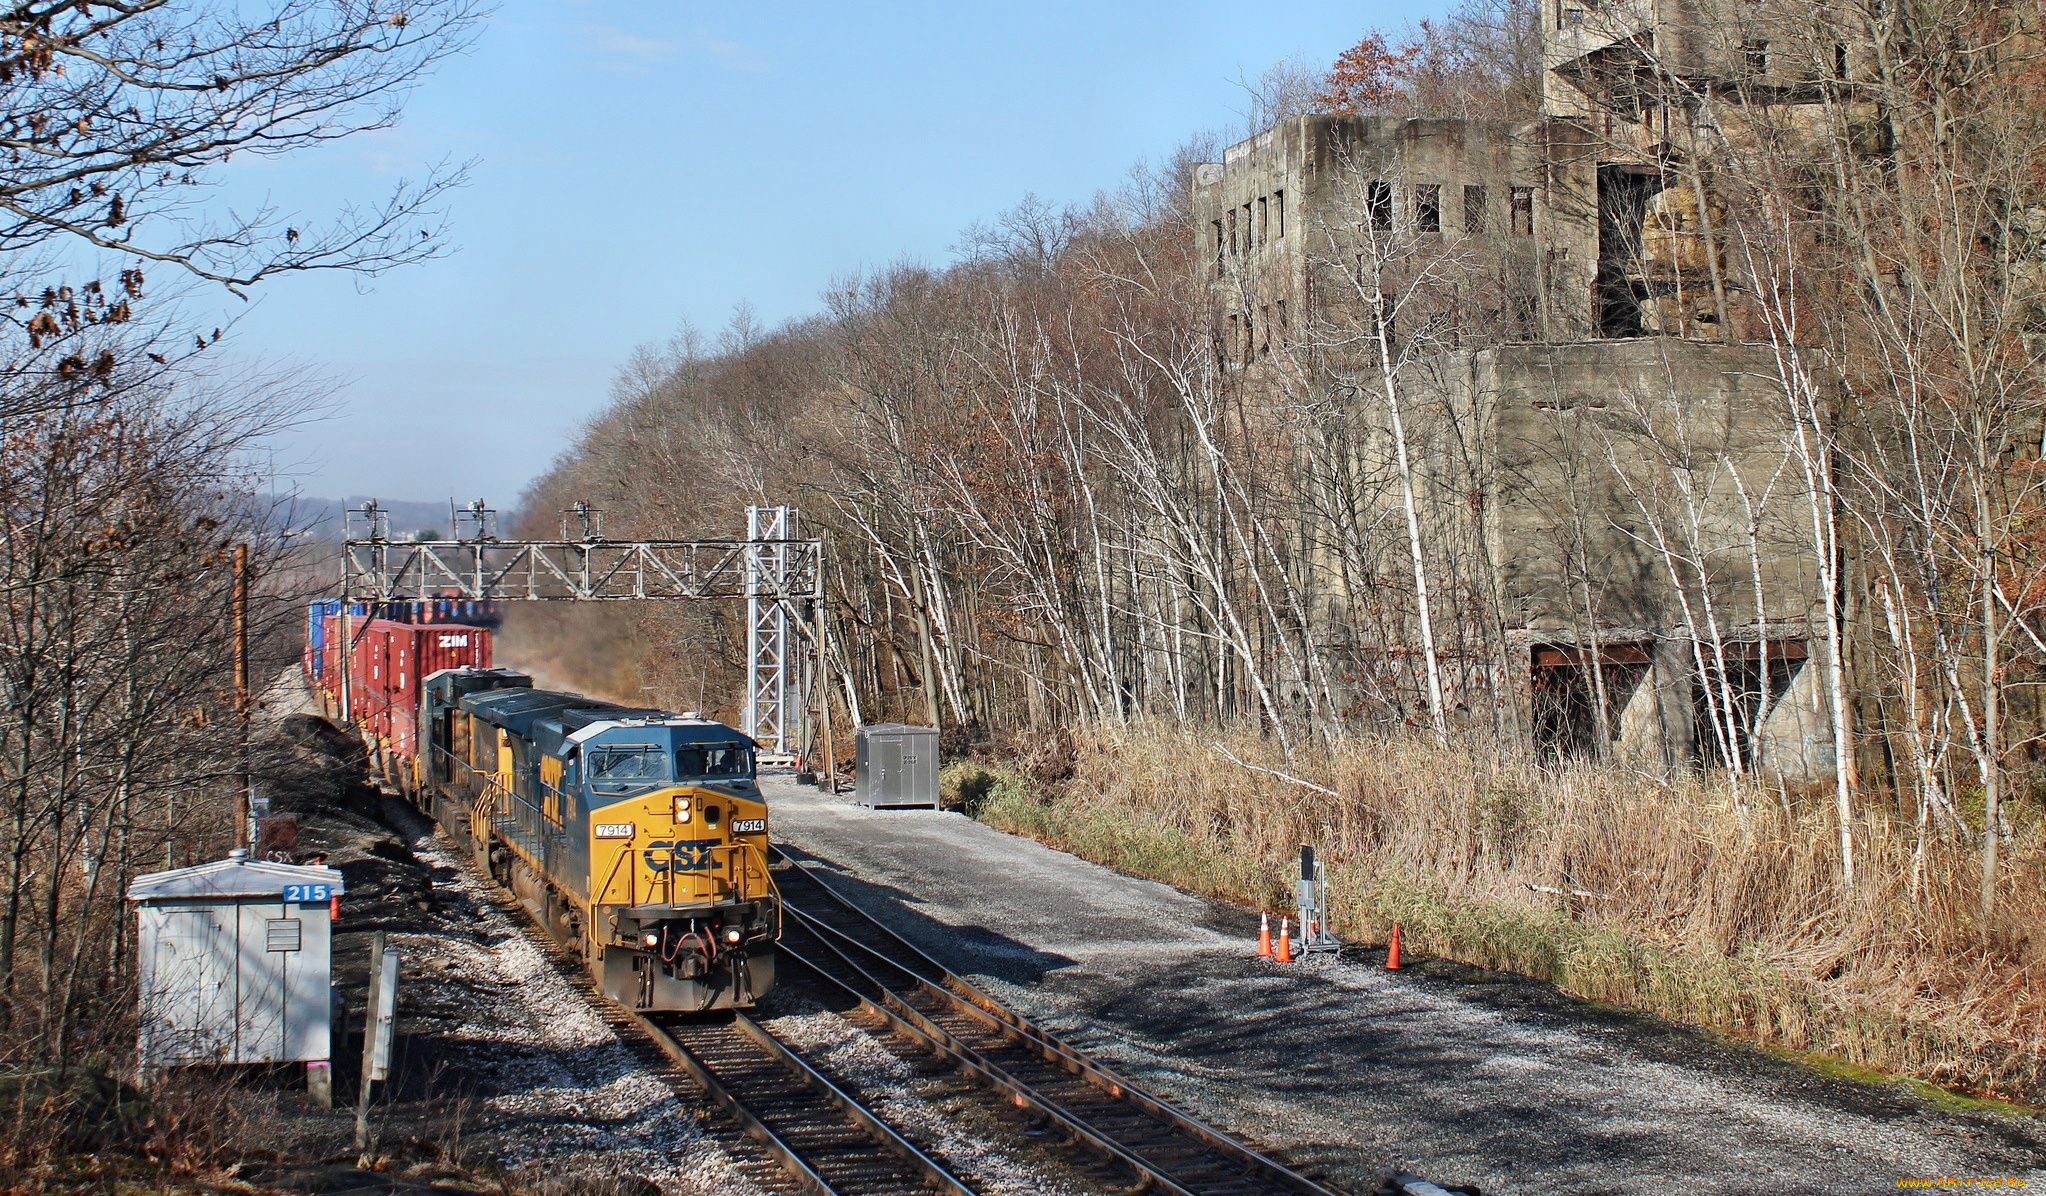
1496,1081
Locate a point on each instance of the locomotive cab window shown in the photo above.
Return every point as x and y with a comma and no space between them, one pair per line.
628,764
714,760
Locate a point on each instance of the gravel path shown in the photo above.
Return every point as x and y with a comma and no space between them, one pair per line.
1349,1070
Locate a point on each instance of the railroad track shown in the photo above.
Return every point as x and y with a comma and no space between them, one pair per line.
1162,1149
827,1141
790,1130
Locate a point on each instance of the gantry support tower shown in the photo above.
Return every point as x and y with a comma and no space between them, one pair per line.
771,681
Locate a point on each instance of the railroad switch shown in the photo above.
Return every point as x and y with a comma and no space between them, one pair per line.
1313,902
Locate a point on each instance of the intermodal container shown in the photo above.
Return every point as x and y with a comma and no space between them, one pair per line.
320,615
391,660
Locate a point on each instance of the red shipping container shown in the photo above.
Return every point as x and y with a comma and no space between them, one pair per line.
391,660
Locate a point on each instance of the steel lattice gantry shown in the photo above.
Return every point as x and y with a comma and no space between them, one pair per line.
780,577
381,570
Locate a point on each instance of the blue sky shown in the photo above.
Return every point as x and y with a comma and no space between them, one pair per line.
642,165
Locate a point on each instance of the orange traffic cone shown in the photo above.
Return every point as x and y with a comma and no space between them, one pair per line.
1264,936
1285,954
1392,950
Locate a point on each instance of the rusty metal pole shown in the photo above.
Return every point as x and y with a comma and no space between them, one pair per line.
830,784
242,838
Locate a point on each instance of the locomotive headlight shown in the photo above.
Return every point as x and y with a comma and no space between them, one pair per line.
731,936
682,813
652,939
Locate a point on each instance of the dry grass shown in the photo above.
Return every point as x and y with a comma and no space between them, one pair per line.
1715,915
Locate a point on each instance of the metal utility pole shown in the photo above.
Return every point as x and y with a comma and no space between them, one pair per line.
242,834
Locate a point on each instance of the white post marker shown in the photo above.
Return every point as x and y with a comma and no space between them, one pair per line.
386,1015
379,1016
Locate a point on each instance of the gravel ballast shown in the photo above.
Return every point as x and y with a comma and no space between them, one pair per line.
1347,1070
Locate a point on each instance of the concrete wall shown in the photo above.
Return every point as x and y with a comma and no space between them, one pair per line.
1633,490
1606,452
1283,218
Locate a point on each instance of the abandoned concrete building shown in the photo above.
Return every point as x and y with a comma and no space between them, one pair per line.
1589,406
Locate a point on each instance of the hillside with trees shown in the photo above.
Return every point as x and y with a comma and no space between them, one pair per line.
1176,622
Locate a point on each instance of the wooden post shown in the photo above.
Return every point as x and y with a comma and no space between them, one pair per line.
243,836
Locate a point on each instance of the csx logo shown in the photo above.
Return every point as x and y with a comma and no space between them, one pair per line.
690,855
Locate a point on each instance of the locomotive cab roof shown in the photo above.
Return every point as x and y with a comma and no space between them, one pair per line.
561,722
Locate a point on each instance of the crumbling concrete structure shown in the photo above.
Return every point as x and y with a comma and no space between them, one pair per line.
1554,293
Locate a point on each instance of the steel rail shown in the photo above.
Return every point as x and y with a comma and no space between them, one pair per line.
915,1172
690,1044
911,1023
1218,1164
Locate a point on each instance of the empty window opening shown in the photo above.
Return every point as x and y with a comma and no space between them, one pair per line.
1249,231
1523,211
1279,213
1428,208
1755,57
1473,209
1526,314
1840,61
1284,328
1264,344
1622,280
1378,201
1218,240
1232,230
1264,220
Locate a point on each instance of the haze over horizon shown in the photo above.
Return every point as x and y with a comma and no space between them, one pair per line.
636,171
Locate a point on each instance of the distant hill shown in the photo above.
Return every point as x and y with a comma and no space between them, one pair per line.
321,518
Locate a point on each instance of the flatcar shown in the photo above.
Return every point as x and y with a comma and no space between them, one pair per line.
637,838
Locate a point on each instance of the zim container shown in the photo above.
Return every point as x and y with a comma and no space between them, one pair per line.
323,620
391,659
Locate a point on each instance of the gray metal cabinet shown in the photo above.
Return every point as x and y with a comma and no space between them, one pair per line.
236,962
896,765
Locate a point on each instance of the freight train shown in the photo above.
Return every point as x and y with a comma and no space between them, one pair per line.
637,838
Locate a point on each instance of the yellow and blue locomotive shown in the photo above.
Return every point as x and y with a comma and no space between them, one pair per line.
638,838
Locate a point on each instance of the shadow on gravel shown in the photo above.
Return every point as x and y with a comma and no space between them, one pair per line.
961,948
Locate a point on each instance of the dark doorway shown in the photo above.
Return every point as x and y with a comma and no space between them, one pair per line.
1752,697
1565,696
